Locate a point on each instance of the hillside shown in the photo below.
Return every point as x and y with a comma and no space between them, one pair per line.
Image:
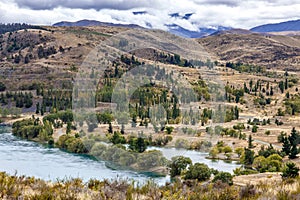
94,23
278,27
265,50
50,56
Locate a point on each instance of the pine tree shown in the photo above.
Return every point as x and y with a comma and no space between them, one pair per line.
248,157
294,137
250,140
68,128
281,86
37,108
236,112
286,147
110,128
293,140
294,152
271,91
123,129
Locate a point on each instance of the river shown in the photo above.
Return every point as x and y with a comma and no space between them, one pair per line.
33,159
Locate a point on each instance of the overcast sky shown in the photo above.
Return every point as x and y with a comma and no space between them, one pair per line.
203,13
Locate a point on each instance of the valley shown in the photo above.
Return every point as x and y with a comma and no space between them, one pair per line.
125,96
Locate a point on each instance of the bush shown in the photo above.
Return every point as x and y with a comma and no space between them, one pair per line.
138,144
290,170
2,87
182,143
225,177
198,171
71,144
254,128
214,152
267,132
117,138
178,164
227,149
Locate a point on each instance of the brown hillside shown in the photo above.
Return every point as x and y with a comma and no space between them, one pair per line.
266,50
49,57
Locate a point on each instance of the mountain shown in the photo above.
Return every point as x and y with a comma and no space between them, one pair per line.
172,28
278,27
232,31
201,32
86,22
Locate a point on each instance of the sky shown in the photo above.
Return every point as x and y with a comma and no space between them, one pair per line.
190,14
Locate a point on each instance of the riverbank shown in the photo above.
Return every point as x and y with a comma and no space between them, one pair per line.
22,187
9,120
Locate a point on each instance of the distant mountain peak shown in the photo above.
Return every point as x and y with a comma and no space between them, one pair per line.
233,31
201,32
172,28
185,16
293,25
86,22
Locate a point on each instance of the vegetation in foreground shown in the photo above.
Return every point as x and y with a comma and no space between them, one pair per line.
21,187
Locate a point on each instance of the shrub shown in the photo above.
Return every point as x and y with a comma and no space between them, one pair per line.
71,144
198,171
225,177
227,149
290,170
178,164
181,143
2,87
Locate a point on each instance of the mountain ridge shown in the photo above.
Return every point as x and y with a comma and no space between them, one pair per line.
172,28
86,22
293,25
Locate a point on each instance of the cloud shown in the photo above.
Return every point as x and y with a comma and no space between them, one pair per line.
85,4
230,3
154,13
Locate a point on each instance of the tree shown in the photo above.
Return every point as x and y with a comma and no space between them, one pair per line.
178,164
248,157
280,137
294,152
122,129
250,140
17,59
2,87
138,144
260,163
117,138
37,108
224,177
294,137
169,129
286,147
281,86
236,112
104,117
227,149
68,131
271,91
239,151
198,171
254,128
290,170
26,59
293,140
110,128
214,152
286,84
